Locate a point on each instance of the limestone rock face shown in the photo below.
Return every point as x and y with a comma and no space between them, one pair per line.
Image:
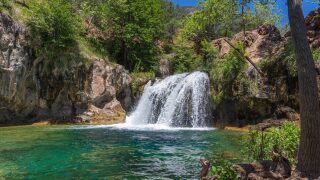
110,87
26,94
259,43
164,67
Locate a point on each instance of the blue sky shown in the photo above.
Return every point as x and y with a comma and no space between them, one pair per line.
307,7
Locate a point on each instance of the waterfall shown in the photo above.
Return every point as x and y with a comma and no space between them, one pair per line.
181,100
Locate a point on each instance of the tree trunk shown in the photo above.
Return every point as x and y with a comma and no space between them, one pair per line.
309,149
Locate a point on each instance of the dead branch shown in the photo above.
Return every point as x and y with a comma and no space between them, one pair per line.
246,57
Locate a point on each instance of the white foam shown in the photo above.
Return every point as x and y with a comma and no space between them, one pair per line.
146,127
179,100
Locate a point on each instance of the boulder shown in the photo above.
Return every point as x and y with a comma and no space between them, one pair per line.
259,43
284,112
109,82
267,169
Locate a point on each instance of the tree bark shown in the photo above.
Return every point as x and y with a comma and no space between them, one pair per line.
309,149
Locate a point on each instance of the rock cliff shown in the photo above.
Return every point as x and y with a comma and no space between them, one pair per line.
86,91
278,89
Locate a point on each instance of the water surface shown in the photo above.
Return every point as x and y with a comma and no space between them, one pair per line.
110,152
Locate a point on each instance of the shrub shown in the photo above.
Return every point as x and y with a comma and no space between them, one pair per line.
285,61
185,60
228,76
209,55
5,5
139,79
285,138
225,171
316,55
54,23
55,29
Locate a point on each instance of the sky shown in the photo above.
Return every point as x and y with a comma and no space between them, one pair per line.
307,7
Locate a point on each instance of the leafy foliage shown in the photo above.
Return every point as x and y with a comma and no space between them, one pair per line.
209,55
211,20
5,5
285,138
54,23
228,76
140,79
225,171
185,60
286,58
133,28
55,29
316,55
263,13
173,16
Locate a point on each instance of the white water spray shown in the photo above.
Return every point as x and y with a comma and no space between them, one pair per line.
181,100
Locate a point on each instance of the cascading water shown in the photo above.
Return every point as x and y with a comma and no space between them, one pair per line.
181,100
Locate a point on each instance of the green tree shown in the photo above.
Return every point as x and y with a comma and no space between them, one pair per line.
4,5
55,29
134,27
211,20
263,13
227,76
174,16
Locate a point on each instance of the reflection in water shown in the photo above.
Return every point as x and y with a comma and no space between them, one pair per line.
113,152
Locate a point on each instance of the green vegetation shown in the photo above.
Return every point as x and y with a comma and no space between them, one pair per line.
285,61
263,13
55,29
211,21
131,27
224,171
134,33
5,5
185,59
316,54
259,145
139,79
228,77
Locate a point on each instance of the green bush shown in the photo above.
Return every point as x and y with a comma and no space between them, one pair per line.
224,171
285,138
285,61
228,76
5,5
316,55
54,23
185,60
55,29
139,79
209,55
